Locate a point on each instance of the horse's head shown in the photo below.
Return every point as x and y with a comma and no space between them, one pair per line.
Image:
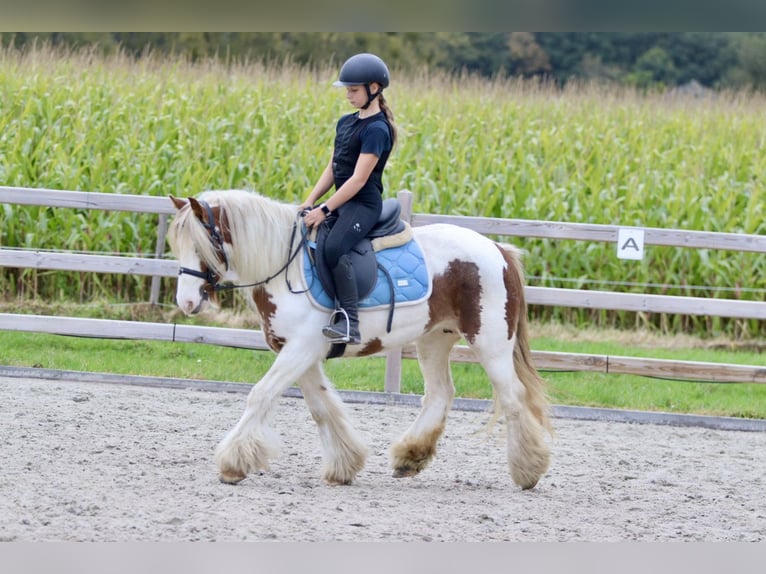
203,236
197,237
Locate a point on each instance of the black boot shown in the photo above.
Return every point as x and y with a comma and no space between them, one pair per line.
346,329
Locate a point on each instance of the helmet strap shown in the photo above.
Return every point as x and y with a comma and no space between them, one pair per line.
370,96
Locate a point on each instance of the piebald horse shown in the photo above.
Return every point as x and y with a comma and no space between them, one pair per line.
241,239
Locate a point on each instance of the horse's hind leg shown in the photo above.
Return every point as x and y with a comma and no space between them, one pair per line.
343,453
519,396
417,447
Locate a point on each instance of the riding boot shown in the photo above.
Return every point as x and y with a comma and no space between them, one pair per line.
345,330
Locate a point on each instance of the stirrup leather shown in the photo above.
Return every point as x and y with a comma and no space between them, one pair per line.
336,336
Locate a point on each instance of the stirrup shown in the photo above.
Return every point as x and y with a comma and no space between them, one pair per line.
337,336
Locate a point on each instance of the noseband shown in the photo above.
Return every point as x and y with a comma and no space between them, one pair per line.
215,238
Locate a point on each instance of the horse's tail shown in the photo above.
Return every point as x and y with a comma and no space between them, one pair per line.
535,385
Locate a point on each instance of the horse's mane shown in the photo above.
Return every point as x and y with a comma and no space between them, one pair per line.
260,229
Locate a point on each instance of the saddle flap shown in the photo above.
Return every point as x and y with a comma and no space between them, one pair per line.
400,268
362,260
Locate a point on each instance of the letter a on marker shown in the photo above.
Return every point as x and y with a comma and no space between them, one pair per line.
630,243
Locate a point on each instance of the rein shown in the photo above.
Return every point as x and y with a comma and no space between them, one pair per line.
217,241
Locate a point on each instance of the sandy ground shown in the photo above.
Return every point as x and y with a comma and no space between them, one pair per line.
101,462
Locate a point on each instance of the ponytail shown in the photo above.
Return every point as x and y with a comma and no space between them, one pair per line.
389,116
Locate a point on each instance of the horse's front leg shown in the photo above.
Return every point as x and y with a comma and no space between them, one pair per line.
343,453
250,445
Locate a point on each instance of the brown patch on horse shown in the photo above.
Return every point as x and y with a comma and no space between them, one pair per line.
370,348
212,294
456,295
267,310
411,456
223,224
514,290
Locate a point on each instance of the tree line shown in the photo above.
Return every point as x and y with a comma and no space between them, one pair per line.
716,60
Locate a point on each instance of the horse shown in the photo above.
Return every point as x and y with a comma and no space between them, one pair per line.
244,240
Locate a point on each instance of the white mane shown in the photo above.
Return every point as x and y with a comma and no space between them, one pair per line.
260,228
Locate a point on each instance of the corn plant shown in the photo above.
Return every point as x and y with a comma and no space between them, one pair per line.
468,146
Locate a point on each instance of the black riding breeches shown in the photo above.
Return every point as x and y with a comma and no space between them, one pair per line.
353,221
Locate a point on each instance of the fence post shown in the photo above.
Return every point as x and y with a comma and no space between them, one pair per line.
405,198
393,383
154,295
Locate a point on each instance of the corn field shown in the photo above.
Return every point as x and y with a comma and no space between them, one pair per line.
498,148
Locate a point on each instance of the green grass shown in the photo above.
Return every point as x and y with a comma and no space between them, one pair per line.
207,362
654,394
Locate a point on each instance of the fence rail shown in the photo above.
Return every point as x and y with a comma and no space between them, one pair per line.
88,263
86,200
595,232
548,296
253,339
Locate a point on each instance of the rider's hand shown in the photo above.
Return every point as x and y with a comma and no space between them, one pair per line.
313,217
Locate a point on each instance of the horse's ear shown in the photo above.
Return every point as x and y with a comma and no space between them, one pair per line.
179,203
197,209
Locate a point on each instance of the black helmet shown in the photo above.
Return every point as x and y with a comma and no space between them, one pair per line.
363,69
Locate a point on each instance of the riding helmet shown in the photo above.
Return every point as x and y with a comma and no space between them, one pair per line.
363,69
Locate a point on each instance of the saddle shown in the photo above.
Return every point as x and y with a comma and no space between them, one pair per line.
389,231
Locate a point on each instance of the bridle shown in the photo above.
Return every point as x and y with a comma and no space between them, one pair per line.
217,241
211,279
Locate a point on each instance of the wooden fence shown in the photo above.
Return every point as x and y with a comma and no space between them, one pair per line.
158,267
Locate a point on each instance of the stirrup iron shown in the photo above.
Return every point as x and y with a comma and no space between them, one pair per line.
332,335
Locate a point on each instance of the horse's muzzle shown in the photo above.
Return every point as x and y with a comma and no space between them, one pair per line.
188,306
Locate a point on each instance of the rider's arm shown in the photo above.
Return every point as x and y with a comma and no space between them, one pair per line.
322,186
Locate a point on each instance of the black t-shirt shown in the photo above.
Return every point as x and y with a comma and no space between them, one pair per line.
354,136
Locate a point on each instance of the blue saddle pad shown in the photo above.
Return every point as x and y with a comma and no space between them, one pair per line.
406,266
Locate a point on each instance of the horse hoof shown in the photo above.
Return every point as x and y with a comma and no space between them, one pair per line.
336,482
404,472
231,477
